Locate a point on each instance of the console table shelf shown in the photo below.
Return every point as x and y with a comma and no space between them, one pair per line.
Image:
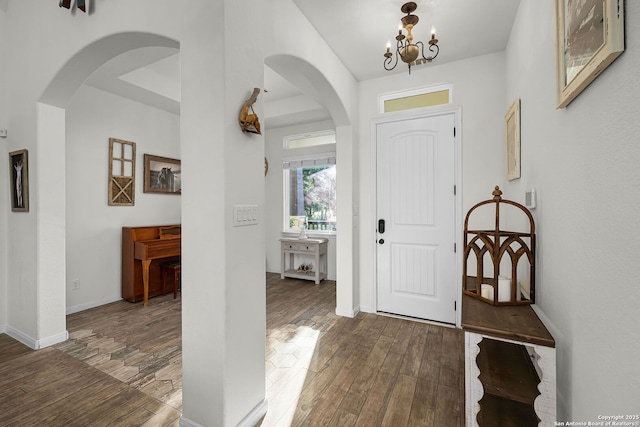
510,366
498,411
506,371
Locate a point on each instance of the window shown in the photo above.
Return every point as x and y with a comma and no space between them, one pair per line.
417,98
310,140
310,184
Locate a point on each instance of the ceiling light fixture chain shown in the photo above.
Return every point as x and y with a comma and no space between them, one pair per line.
405,48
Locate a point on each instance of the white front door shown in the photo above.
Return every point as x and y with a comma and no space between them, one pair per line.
416,262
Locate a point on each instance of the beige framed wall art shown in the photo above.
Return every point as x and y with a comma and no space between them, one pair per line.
589,37
512,141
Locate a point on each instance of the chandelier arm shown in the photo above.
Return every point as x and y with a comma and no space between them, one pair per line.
388,60
399,46
433,48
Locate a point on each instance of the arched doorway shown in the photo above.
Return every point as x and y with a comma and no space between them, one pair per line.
51,146
314,84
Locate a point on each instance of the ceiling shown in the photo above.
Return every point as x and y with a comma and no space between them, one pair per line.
356,30
149,75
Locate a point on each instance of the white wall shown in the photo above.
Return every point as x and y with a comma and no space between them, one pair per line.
94,228
274,195
223,349
4,190
583,162
478,87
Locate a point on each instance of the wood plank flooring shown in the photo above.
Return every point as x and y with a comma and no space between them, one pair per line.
326,370
322,370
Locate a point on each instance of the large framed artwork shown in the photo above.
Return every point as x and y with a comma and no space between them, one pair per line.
19,182
589,37
162,175
512,141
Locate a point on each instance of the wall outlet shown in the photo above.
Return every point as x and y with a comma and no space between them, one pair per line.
75,284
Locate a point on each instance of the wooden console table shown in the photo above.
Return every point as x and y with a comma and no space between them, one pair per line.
313,247
510,366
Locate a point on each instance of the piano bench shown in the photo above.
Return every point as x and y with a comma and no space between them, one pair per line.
167,269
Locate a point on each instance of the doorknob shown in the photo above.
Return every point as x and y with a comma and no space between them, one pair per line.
381,226
381,241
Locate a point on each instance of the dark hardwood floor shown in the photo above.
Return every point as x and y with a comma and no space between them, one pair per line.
327,370
322,369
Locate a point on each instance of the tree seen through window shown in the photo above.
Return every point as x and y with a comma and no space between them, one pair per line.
313,197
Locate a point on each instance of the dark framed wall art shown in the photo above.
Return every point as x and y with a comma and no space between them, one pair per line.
162,175
19,182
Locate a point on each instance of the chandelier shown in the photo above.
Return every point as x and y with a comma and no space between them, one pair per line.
406,49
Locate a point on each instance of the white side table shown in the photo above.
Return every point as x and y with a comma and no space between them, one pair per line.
312,247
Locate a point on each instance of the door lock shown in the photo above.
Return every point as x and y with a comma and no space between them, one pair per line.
381,241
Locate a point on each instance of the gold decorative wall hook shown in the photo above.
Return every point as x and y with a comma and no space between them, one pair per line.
249,121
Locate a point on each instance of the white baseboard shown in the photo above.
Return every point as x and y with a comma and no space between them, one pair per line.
52,340
3,329
34,343
348,313
250,420
92,304
255,415
367,309
186,422
22,337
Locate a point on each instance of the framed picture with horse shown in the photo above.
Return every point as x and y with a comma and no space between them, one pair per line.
162,175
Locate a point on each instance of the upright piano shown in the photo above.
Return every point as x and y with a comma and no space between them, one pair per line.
144,249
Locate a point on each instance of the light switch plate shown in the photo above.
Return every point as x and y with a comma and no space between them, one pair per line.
245,215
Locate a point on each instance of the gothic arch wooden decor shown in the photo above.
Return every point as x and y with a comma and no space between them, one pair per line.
519,246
